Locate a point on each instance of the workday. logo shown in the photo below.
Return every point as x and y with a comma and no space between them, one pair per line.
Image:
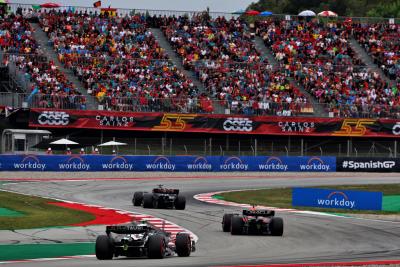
199,164
234,163
118,163
336,199
30,162
161,164
74,163
273,164
315,164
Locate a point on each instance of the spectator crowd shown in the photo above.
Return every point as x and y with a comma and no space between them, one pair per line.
318,55
47,85
120,63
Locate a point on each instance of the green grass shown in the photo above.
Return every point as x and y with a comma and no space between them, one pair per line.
36,251
282,198
37,213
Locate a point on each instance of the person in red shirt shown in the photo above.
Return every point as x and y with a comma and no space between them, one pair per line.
68,152
82,152
49,151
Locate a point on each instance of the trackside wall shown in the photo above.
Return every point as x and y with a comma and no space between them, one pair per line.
194,163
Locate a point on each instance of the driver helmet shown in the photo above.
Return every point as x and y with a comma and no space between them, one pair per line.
142,223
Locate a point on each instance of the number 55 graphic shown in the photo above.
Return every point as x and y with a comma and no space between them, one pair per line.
353,127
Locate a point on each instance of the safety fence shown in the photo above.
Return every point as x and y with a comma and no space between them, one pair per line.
74,163
28,10
199,106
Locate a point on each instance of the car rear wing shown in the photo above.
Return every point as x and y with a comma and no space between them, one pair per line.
266,213
166,191
126,229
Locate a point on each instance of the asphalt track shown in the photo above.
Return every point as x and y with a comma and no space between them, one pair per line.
307,238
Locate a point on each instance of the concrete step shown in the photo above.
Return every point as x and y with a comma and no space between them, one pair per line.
173,56
267,53
367,60
42,39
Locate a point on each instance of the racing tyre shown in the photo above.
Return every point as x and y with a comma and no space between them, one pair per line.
137,198
104,248
156,247
183,244
147,201
236,225
276,226
180,202
226,222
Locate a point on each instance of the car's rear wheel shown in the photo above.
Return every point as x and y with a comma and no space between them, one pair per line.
137,198
226,222
276,226
180,202
183,244
237,225
148,201
104,248
156,247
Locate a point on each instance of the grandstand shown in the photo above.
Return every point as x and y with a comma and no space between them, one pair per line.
342,74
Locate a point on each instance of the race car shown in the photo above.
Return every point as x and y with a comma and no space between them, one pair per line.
141,240
253,222
160,197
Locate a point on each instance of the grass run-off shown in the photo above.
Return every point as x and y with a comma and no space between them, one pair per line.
37,213
282,198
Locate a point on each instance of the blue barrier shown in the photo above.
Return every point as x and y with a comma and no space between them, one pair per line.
164,163
338,199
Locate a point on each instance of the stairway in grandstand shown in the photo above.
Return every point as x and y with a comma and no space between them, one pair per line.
164,44
367,60
42,39
267,53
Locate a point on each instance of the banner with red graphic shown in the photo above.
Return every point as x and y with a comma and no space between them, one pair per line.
209,123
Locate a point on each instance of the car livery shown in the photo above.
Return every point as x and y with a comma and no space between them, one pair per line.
160,197
253,222
141,240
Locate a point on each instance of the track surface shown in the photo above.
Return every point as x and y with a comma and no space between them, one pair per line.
307,238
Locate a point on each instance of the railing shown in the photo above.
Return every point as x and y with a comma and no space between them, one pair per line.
228,15
234,145
193,105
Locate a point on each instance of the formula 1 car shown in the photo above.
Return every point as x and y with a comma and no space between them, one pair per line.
139,240
160,197
253,222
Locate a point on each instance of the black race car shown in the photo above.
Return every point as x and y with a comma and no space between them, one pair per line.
141,240
253,222
160,197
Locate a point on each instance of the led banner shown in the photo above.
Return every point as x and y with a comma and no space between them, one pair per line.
167,164
365,164
209,123
336,199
